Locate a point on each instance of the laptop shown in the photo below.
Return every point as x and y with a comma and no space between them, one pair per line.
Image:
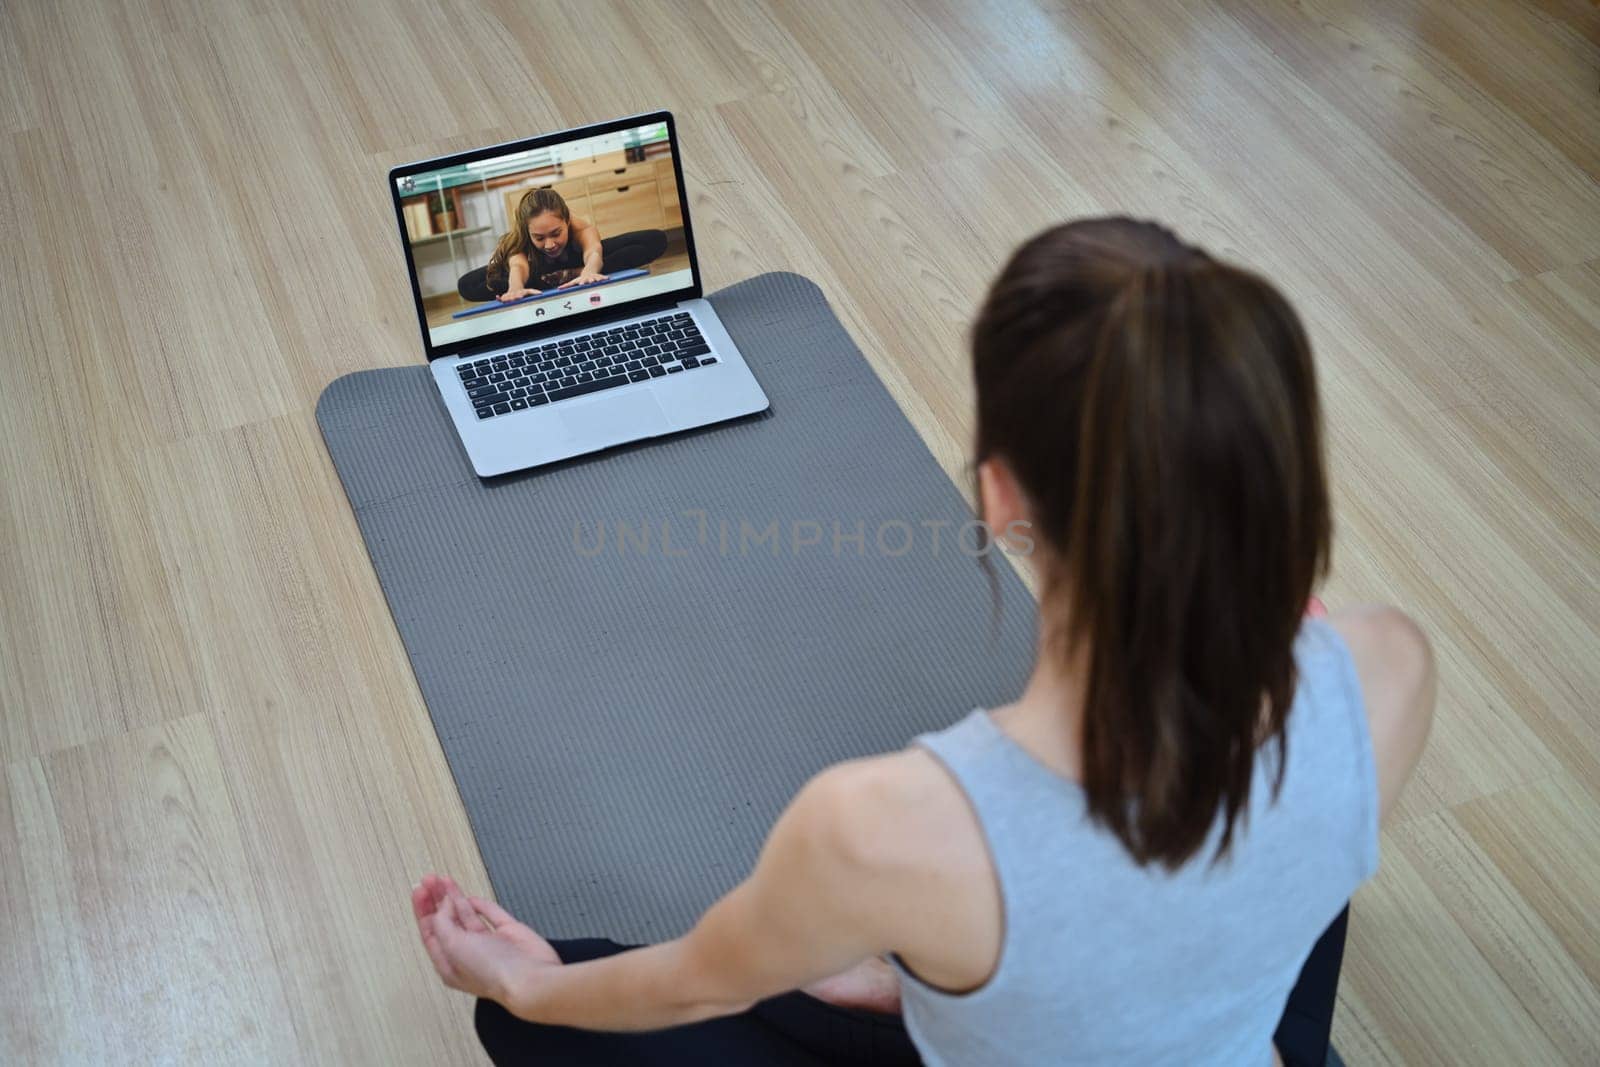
558,293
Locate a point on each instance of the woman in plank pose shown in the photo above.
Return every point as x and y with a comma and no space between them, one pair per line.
548,247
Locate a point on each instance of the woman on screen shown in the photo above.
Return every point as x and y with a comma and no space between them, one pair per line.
547,248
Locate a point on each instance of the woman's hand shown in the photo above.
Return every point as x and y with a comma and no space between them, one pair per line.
585,278
476,946
516,293
871,985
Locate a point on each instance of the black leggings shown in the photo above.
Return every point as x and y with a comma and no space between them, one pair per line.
621,252
797,1030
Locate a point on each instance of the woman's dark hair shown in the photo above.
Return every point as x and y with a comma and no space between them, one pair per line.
1159,411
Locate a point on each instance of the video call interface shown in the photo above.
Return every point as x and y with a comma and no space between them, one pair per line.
535,236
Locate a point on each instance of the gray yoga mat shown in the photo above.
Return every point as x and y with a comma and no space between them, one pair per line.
626,716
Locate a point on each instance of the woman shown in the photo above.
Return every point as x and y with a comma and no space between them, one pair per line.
547,248
1132,861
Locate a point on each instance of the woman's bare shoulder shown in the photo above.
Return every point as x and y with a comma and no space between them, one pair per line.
900,809
916,861
908,776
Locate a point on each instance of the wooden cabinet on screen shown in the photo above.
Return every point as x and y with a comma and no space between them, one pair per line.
619,198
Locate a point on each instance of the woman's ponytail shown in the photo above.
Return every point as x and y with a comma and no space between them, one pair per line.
1160,410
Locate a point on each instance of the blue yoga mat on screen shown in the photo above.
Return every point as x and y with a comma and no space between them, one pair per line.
615,276
633,659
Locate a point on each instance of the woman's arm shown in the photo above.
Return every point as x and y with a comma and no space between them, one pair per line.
517,269
1395,668
588,236
815,904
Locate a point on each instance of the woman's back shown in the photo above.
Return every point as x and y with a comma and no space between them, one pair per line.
1103,960
1131,862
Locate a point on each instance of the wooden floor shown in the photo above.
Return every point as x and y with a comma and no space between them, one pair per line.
219,778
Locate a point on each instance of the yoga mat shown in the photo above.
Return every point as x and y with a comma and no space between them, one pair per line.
496,305
625,719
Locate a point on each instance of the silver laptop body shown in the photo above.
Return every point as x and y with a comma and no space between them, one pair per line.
558,353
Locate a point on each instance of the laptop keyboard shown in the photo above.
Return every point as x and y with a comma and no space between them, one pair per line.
578,366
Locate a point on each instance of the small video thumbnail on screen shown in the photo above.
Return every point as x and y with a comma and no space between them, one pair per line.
505,241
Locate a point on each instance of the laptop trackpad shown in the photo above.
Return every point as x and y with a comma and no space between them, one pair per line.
596,422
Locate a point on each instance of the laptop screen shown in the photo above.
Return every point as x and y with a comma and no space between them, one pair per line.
531,237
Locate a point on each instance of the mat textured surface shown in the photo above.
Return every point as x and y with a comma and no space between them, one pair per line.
624,714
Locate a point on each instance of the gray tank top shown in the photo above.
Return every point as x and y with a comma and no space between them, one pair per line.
1106,962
